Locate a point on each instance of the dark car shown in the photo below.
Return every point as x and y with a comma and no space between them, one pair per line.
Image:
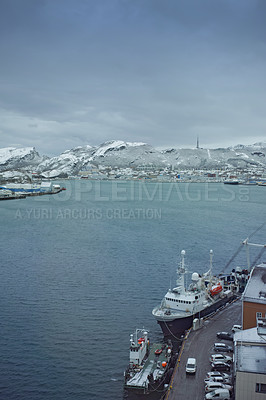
222,347
220,366
224,335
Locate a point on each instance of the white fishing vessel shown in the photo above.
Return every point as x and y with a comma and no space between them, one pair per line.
181,305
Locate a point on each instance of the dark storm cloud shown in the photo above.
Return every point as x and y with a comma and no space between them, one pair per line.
74,72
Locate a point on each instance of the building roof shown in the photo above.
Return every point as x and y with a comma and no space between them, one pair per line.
250,336
255,290
250,351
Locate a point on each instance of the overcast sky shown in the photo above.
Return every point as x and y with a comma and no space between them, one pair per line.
77,72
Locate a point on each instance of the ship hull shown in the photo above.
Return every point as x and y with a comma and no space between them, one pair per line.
176,327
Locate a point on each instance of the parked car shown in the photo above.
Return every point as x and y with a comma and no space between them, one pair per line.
191,366
221,357
220,366
210,386
224,335
218,379
221,394
222,347
214,374
236,328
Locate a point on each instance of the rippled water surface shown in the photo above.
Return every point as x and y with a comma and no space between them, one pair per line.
81,270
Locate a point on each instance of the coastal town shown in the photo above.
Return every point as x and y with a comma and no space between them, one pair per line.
119,160
169,174
248,176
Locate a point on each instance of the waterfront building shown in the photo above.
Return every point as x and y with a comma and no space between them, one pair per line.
254,297
250,362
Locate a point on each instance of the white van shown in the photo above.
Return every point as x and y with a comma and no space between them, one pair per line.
222,394
191,366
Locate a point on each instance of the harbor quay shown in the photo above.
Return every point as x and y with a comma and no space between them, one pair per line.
199,344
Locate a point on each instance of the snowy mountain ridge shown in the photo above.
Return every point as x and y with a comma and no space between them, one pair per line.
117,153
17,158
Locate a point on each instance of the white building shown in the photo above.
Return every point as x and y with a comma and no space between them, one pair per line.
250,362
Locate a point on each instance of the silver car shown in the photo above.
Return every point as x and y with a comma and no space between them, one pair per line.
213,374
221,347
220,357
218,379
210,386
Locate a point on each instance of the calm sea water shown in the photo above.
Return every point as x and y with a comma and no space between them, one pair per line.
82,269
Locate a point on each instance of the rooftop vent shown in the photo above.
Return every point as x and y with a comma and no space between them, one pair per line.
261,326
262,294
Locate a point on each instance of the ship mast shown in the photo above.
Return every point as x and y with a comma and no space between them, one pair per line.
181,273
211,257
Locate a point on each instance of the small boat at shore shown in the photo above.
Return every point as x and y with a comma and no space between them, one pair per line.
231,182
150,366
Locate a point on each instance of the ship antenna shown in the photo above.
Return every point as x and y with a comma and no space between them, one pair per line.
183,253
211,257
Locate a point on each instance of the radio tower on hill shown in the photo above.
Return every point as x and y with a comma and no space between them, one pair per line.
197,142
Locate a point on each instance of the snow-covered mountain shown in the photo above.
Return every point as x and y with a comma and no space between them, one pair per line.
115,153
12,158
121,154
125,154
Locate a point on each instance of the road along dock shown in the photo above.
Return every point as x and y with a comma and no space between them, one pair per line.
199,344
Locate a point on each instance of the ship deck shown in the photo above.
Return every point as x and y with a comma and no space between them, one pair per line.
150,366
159,314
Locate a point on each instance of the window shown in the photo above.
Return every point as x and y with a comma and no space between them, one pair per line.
260,387
259,315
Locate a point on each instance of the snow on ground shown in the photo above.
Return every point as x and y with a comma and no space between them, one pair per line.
242,155
135,144
114,144
12,174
